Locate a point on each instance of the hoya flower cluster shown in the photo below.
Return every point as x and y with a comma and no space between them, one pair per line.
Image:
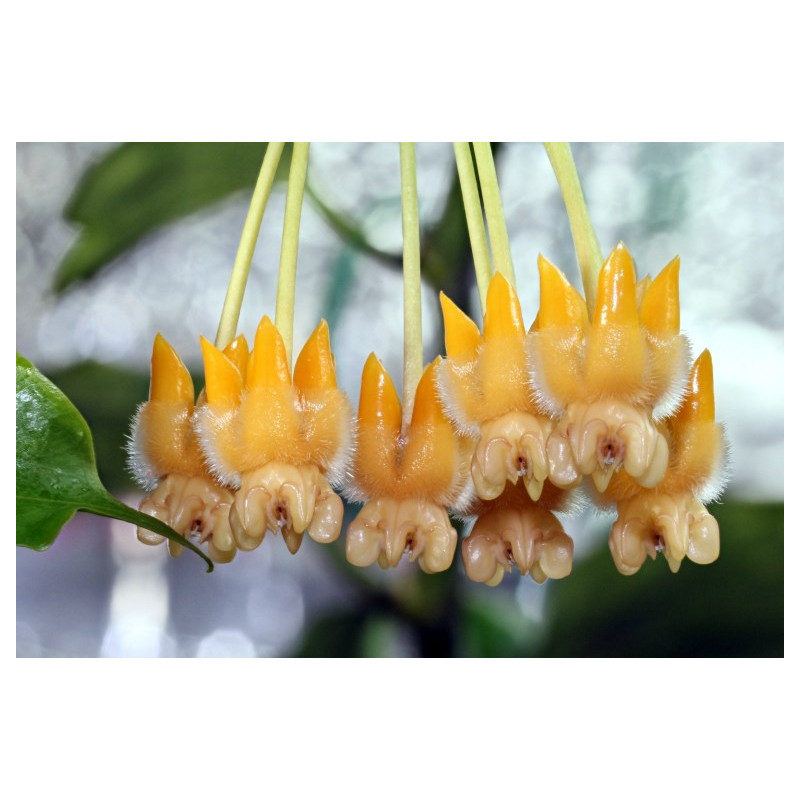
573,398
257,453
512,427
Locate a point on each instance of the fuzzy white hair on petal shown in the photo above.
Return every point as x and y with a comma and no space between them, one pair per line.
337,470
713,488
140,467
462,500
205,422
350,489
452,409
674,395
538,387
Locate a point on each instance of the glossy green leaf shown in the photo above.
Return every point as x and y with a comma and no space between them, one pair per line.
142,186
56,472
106,397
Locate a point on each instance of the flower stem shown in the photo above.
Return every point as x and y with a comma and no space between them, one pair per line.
229,319
587,249
412,290
287,271
496,221
474,214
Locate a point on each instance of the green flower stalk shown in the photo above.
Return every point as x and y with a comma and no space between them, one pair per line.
587,250
287,273
493,205
412,290
232,306
474,214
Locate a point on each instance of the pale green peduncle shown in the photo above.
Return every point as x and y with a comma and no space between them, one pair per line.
287,271
587,249
493,206
229,319
412,290
474,215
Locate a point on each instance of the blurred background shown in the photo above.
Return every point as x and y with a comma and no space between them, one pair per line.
116,242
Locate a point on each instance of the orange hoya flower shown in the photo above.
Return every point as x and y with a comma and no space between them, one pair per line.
279,441
407,477
512,530
484,383
671,517
484,386
165,457
608,382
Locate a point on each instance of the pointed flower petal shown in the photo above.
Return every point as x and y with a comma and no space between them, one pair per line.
315,368
268,367
461,335
660,309
615,356
560,304
238,352
224,383
170,381
503,316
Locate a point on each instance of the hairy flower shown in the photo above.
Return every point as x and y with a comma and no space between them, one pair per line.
671,517
513,531
407,477
484,385
600,438
279,441
165,457
650,523
607,383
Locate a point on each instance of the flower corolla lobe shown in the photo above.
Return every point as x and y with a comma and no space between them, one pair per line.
527,536
677,525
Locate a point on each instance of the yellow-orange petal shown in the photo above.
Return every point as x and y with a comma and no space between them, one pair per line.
238,352
559,304
170,381
379,403
431,463
461,334
616,291
615,356
267,367
224,382
698,457
642,287
503,317
556,340
315,368
427,409
660,311
698,406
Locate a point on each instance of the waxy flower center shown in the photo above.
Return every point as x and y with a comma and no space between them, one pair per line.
610,450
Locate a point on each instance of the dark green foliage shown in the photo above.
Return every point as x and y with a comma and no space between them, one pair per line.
56,473
140,187
106,397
